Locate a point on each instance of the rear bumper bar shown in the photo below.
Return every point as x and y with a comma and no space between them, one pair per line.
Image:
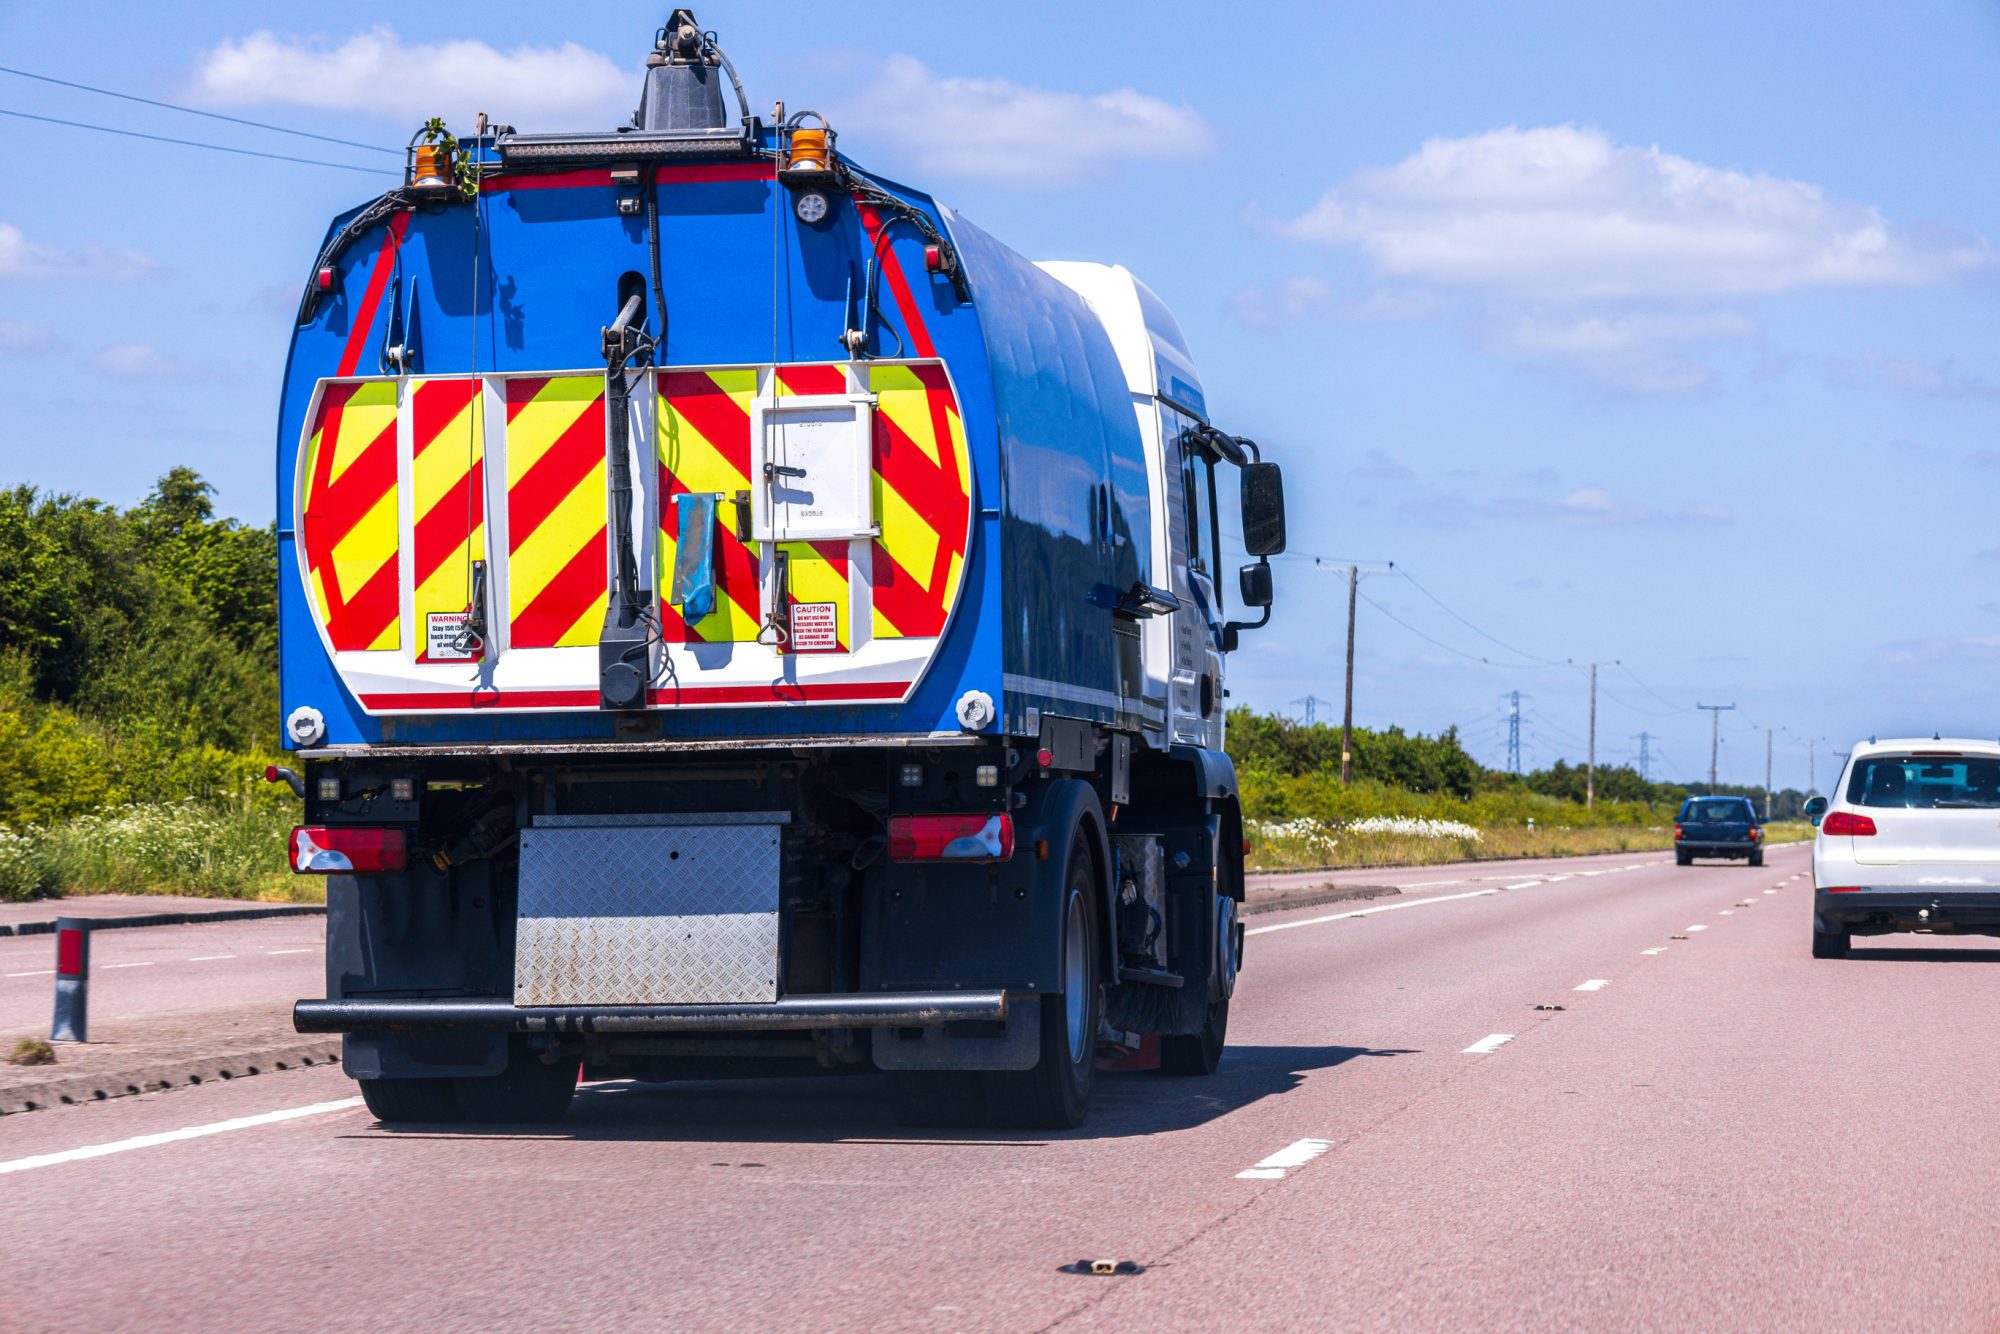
893,1009
1865,912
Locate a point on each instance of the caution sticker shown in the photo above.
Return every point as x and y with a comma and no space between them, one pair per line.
446,638
815,626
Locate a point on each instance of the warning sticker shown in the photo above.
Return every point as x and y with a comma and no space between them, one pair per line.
814,626
446,638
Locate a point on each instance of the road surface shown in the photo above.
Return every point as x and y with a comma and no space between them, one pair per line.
1714,1131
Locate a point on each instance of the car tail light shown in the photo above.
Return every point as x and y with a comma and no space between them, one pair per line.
1678,831
1755,833
1841,889
1847,822
951,838
342,850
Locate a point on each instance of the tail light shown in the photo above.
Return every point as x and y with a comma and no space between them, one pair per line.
1847,822
1841,889
1756,832
951,838
345,850
1678,831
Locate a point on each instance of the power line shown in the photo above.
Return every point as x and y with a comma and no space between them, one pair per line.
191,111
1678,708
1546,662
1420,634
194,143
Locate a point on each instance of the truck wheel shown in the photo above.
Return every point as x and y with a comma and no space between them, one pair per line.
1197,1053
528,1091
1055,1094
1682,857
1757,859
1830,944
936,1099
410,1101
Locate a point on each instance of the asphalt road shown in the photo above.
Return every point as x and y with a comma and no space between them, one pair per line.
141,972
1715,1131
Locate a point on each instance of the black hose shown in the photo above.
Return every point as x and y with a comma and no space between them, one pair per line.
653,249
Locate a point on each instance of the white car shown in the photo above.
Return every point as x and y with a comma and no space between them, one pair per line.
1908,841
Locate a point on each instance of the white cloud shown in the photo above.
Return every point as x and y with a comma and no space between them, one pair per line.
1000,130
564,87
1561,213
143,361
1303,295
22,258
1633,350
1912,376
28,338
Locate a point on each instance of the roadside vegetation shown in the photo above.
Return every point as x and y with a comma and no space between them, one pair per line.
138,697
1418,800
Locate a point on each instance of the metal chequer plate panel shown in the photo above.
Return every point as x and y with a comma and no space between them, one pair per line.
625,914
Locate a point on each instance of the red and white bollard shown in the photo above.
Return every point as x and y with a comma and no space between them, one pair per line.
72,1022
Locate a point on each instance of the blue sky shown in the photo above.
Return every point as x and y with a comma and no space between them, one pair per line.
1657,333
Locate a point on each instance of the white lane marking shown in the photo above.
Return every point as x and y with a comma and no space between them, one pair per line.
175,1136
1770,891
1490,1043
1727,912
145,964
1558,879
209,958
1657,949
1590,873
1595,984
1525,884
1287,1159
1697,927
1363,912
307,950
39,972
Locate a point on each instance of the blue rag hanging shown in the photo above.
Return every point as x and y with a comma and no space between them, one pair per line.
694,556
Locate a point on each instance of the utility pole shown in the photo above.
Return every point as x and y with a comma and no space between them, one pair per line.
1514,734
1646,756
1715,712
1354,573
1347,711
1590,766
1767,773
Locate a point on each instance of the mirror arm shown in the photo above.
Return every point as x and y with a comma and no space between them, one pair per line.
1232,630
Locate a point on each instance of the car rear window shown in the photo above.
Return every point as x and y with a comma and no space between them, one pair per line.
1719,810
1926,782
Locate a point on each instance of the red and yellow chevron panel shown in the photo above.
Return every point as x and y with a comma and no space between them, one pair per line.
448,500
704,445
556,581
348,516
922,487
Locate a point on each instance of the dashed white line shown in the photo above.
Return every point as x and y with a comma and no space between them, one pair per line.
1289,1158
1364,912
145,963
1697,927
1490,1043
307,950
209,958
1727,912
1770,891
1595,984
175,1136
1657,949
1525,884
39,972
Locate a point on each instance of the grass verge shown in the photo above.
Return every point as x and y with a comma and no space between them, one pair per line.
230,851
1311,845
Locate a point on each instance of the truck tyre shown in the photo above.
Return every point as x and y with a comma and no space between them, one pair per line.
529,1091
410,1101
1055,1094
1197,1053
1682,857
1757,858
937,1099
1830,944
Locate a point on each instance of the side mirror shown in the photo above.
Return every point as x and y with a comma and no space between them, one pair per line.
1254,583
1263,510
1815,808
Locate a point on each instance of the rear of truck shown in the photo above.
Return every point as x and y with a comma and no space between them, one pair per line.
715,603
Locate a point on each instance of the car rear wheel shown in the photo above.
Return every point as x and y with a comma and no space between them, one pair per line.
1757,858
1830,944
1682,857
